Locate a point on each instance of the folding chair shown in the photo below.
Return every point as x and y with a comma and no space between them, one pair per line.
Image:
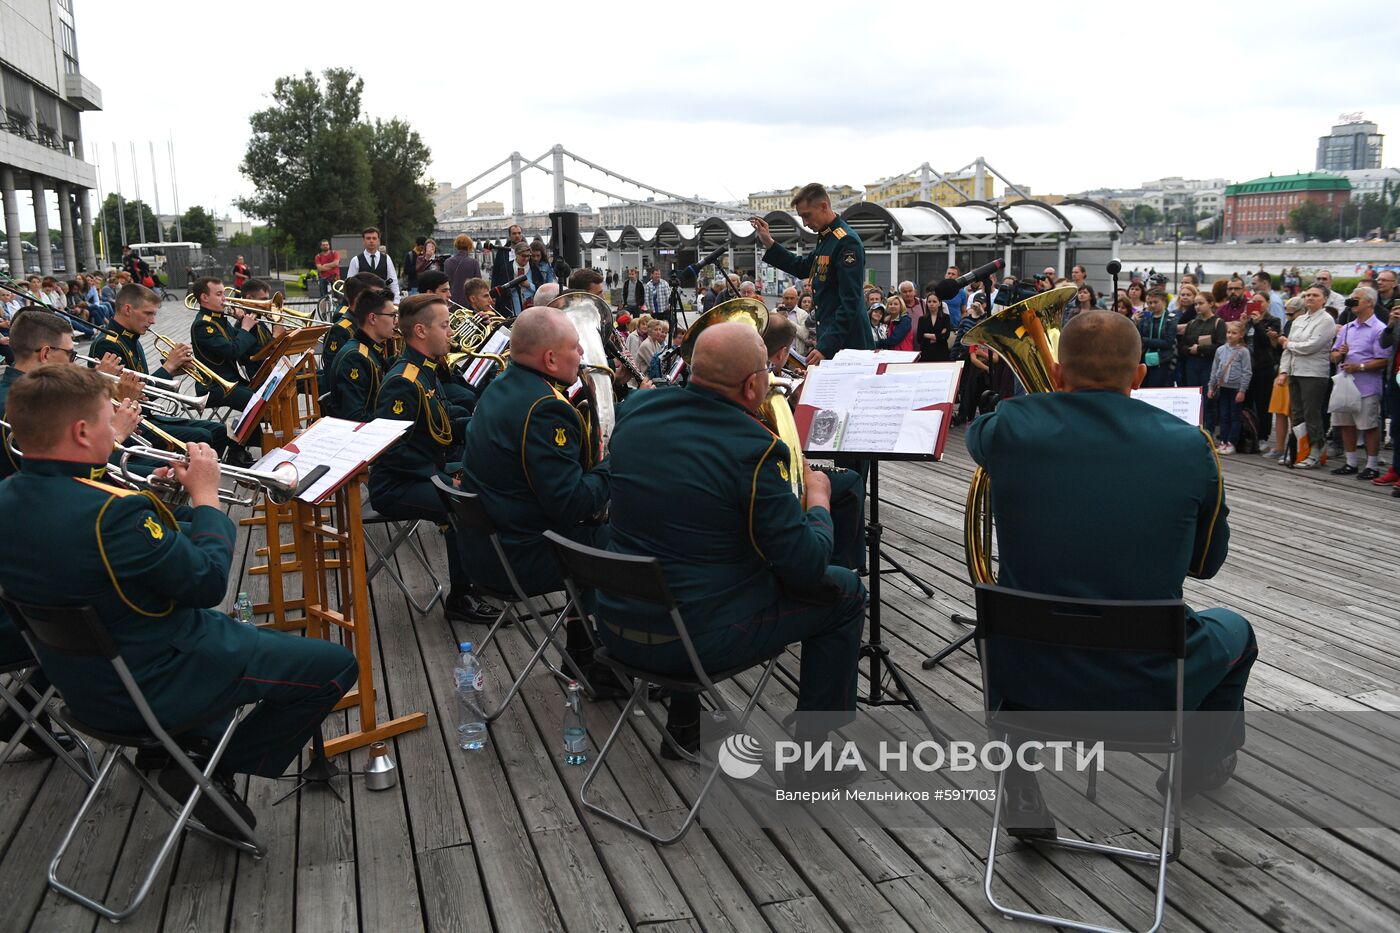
399,532
78,632
468,516
28,711
640,578
1119,626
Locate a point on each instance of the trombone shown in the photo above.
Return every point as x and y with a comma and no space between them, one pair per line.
192,301
280,484
274,310
196,370
162,401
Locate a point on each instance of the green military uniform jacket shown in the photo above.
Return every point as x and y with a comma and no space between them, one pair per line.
528,456
341,333
411,392
126,344
262,334
9,463
703,485
353,379
837,269
150,578
221,345
1100,496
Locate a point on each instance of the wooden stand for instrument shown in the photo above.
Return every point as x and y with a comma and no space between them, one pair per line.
334,528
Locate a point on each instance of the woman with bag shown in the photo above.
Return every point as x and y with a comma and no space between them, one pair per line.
1305,360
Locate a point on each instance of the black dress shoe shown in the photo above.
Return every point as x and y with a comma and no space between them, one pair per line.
1369,473
687,736
1200,782
176,782
605,682
1024,813
463,608
1346,469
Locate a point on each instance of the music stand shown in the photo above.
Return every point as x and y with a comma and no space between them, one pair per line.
882,669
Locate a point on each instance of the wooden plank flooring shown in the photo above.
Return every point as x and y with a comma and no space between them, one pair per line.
495,839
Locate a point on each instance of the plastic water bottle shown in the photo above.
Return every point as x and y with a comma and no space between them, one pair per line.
243,609
471,724
575,735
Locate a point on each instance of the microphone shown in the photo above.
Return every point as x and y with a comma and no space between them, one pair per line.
947,288
694,268
500,290
1114,266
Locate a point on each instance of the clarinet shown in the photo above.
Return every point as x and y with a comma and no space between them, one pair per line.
620,349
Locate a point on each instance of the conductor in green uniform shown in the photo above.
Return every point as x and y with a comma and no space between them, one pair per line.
354,376
750,570
220,345
1154,514
135,314
530,457
837,270
153,581
400,480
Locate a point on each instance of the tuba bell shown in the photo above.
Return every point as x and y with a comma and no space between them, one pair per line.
1027,336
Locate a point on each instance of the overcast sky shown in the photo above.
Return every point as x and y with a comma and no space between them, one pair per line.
720,99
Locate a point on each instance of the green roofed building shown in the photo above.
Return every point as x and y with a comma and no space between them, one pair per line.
1258,207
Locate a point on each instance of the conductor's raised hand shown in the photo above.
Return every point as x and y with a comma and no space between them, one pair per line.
760,226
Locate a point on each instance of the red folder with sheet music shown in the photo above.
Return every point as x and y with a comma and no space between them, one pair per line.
344,447
865,407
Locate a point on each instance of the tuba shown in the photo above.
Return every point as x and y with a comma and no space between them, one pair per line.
1027,336
775,412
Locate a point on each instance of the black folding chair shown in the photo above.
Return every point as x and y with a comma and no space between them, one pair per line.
25,700
1092,626
400,532
78,632
468,516
641,579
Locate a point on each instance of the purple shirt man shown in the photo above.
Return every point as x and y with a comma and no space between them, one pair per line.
1363,343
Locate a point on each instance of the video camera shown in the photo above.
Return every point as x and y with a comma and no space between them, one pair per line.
1010,294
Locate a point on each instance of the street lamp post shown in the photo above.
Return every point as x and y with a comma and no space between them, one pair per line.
1176,255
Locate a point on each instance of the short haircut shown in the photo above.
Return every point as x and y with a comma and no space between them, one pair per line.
583,279
779,333
420,241
813,193
417,309
255,285
1361,293
1157,293
371,301
1264,277
431,279
464,242
45,401
539,328
368,230
521,248
202,284
136,296
35,329
475,286
1219,290
1100,348
358,282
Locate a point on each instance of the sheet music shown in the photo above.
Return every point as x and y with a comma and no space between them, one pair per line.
255,402
1184,402
478,369
881,403
853,410
852,357
342,445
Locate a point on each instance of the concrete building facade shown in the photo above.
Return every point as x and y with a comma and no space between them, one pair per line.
1355,144
42,93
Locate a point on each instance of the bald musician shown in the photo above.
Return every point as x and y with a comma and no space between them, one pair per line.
700,483
528,455
1159,497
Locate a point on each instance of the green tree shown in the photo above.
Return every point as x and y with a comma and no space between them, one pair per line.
197,225
116,236
398,159
308,160
1143,215
1313,220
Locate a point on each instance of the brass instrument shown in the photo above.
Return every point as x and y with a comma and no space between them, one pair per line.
775,412
170,385
470,332
196,370
155,430
164,401
192,301
279,484
596,403
1027,336
274,311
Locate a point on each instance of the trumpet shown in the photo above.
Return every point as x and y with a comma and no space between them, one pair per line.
155,430
274,310
196,370
170,385
279,484
164,401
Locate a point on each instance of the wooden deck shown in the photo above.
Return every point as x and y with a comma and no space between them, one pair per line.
495,839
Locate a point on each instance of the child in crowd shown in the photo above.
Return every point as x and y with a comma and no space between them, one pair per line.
1229,377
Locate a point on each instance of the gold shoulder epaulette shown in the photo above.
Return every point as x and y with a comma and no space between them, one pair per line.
838,232
346,323
410,372
364,351
103,487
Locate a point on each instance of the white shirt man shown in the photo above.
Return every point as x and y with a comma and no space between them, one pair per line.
376,260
